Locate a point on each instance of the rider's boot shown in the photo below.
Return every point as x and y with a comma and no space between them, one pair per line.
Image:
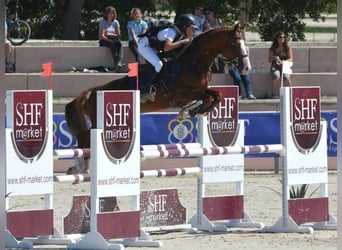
148,92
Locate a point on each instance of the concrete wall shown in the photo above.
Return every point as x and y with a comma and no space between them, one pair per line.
313,66
29,59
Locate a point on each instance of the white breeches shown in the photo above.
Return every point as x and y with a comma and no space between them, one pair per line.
149,54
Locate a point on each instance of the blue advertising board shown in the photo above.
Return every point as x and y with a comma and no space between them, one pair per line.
165,128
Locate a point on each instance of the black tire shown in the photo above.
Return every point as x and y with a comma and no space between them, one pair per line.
18,32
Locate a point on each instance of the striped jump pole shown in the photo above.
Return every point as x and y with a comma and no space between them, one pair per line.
71,153
170,146
78,178
85,152
195,152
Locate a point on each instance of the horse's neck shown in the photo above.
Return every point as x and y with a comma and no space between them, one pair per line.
205,56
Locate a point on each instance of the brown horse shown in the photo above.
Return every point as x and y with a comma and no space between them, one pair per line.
189,91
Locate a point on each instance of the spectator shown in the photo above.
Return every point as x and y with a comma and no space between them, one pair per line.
199,18
280,51
245,79
136,26
211,21
110,35
9,68
164,39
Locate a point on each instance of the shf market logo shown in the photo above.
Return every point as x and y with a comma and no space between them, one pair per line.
119,123
181,131
29,124
305,118
223,123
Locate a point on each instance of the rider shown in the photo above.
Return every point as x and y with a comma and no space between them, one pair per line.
164,39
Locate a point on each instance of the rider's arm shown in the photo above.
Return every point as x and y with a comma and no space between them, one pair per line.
169,45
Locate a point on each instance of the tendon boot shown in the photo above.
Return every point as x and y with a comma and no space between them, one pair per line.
148,92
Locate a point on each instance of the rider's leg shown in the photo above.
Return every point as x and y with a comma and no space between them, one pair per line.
149,54
148,91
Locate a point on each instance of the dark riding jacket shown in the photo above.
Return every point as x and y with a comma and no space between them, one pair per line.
153,39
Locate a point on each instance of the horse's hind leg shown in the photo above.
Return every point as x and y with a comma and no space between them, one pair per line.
81,163
81,166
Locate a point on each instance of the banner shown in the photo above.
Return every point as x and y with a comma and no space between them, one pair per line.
165,128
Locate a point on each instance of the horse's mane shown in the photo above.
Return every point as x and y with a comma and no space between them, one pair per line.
202,37
209,32
204,40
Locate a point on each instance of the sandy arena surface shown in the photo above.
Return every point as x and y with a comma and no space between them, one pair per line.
262,203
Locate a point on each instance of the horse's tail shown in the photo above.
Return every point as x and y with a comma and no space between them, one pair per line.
75,116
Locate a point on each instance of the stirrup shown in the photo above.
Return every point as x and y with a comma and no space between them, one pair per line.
149,96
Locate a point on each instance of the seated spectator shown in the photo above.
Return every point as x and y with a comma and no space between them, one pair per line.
279,51
199,18
136,26
211,21
110,34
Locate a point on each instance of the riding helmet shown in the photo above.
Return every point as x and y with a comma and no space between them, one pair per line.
185,21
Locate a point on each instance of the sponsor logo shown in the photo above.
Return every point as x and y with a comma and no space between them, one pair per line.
29,125
119,125
223,124
305,118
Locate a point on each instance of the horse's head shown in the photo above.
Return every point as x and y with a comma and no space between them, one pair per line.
235,51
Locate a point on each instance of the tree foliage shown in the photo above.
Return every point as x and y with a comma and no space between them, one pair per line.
271,16
78,19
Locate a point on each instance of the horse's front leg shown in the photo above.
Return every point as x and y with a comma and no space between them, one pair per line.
208,99
215,98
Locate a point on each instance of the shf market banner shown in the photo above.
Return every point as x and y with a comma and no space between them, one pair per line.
165,128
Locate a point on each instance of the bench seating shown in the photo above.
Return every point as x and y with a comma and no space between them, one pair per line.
313,66
29,59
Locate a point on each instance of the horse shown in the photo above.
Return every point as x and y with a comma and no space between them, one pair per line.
188,92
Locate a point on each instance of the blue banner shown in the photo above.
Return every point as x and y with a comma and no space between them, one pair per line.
165,128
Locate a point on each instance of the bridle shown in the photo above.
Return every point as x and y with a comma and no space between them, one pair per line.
232,41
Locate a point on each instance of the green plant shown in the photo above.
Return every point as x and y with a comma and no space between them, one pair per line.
298,191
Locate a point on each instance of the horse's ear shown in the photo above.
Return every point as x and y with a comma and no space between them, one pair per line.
236,26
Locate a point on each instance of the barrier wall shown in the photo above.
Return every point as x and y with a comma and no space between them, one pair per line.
115,161
29,166
303,135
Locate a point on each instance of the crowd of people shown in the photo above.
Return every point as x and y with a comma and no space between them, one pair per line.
171,37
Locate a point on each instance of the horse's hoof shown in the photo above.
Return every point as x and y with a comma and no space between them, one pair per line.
75,170
183,114
192,113
147,97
